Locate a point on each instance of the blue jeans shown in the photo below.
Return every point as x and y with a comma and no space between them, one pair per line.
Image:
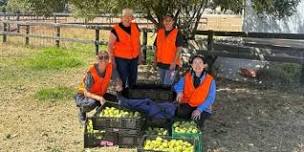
167,76
127,69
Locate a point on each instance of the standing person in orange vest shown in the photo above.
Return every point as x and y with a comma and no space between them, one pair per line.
196,92
93,88
124,48
168,43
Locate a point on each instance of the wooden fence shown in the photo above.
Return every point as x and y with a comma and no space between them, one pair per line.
212,48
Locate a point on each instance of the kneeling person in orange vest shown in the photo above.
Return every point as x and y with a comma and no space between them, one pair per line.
93,88
196,92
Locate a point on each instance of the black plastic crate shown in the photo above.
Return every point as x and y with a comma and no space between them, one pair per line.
119,137
159,123
155,92
96,138
100,122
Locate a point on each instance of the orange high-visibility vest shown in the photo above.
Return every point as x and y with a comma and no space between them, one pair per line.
100,84
128,45
165,47
196,96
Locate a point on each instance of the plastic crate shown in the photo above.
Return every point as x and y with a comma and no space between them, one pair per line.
100,122
95,139
125,138
197,137
148,137
158,93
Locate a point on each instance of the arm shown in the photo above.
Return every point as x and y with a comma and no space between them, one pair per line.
88,82
210,99
179,88
112,40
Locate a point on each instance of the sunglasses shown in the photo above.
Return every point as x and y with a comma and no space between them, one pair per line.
103,57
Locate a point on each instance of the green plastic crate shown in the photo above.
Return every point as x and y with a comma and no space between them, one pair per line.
197,137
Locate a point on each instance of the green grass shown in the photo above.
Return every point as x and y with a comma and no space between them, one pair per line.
53,59
55,94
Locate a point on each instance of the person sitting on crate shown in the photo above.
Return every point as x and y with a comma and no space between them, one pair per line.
93,88
196,92
169,42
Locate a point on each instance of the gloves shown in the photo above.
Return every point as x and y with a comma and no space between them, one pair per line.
196,114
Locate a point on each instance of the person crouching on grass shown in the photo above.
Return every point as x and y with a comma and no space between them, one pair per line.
93,88
196,92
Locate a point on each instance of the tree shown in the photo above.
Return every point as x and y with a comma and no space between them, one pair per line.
186,12
3,5
38,7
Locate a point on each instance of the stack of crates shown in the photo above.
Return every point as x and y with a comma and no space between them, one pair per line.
111,130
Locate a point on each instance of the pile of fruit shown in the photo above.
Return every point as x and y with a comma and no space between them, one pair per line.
185,127
118,113
157,131
171,145
90,129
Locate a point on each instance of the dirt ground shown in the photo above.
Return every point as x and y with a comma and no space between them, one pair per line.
247,118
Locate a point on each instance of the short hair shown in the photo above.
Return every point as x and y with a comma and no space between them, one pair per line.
197,56
127,11
168,15
102,53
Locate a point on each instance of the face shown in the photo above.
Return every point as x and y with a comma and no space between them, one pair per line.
168,23
127,18
103,59
198,65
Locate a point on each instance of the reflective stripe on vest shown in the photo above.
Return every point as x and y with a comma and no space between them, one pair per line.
128,45
100,84
196,96
166,48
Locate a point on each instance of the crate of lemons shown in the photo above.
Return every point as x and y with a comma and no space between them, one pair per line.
167,144
111,115
188,129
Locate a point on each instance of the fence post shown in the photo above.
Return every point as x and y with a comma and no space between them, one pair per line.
145,40
302,72
27,32
18,19
210,40
55,18
97,40
4,39
57,35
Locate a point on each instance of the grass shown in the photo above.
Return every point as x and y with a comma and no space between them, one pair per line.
53,58
55,94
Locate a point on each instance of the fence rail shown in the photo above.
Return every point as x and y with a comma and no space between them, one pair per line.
212,48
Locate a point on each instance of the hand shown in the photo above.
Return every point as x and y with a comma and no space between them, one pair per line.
172,66
101,100
179,97
196,114
118,85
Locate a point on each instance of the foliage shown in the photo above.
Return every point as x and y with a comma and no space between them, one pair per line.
39,7
187,12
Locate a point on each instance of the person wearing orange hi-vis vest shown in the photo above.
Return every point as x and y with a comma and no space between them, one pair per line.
196,92
124,48
92,89
168,43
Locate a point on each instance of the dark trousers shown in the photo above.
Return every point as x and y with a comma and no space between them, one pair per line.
88,104
127,69
185,111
